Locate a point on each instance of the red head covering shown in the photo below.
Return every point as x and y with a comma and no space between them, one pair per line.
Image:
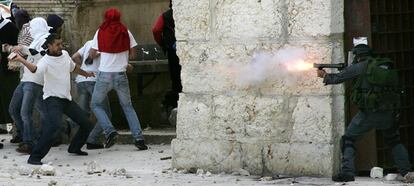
113,36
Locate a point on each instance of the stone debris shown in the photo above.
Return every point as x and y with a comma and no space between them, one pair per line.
48,170
241,172
5,157
175,170
24,171
160,151
183,171
166,158
94,167
377,172
266,178
52,182
119,172
208,174
200,172
391,177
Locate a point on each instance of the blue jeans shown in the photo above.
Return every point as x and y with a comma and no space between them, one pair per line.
55,108
26,96
105,82
85,91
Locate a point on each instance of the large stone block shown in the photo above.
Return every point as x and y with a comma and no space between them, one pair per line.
269,119
312,118
248,19
213,155
315,18
299,159
192,19
216,67
194,117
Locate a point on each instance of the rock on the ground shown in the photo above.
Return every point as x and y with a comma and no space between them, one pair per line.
52,182
377,172
47,170
119,172
391,177
266,178
24,171
200,172
94,167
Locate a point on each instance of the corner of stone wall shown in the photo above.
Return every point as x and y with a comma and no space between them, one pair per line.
274,130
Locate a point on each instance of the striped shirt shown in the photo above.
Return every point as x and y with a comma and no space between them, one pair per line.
24,37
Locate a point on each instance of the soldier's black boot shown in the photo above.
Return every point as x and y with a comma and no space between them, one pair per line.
342,177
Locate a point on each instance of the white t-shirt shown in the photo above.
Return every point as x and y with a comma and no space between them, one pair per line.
114,62
28,76
84,53
56,72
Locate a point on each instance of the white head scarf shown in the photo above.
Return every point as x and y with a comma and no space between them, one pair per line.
39,30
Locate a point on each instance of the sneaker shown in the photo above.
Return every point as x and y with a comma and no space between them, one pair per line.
140,144
409,177
92,146
78,152
110,141
16,139
24,149
341,177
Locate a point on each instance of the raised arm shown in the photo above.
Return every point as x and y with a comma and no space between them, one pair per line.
32,67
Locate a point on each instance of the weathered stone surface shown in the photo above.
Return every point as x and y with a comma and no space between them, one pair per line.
192,19
287,123
194,117
299,159
315,18
247,19
213,155
311,120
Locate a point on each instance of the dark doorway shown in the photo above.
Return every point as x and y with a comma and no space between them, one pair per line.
389,26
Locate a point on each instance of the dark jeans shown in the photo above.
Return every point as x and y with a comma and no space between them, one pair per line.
55,108
8,82
362,123
26,96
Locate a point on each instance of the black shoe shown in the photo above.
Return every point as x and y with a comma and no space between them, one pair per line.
110,141
16,139
1,145
79,152
341,177
140,144
92,146
34,162
24,149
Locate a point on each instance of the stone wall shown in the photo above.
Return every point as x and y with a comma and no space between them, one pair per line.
274,129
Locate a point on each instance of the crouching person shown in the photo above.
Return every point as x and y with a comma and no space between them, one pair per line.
55,67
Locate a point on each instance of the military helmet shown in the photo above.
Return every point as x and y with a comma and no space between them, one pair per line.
362,50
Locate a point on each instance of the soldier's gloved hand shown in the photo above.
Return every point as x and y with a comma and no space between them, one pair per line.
321,73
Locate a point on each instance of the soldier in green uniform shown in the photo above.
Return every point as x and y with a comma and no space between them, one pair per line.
376,94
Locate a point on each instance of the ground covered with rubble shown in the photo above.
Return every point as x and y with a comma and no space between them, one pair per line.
124,165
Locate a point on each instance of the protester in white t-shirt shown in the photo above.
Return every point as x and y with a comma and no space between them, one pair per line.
116,46
85,87
56,67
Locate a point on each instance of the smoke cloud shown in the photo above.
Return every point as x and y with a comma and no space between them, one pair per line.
283,65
